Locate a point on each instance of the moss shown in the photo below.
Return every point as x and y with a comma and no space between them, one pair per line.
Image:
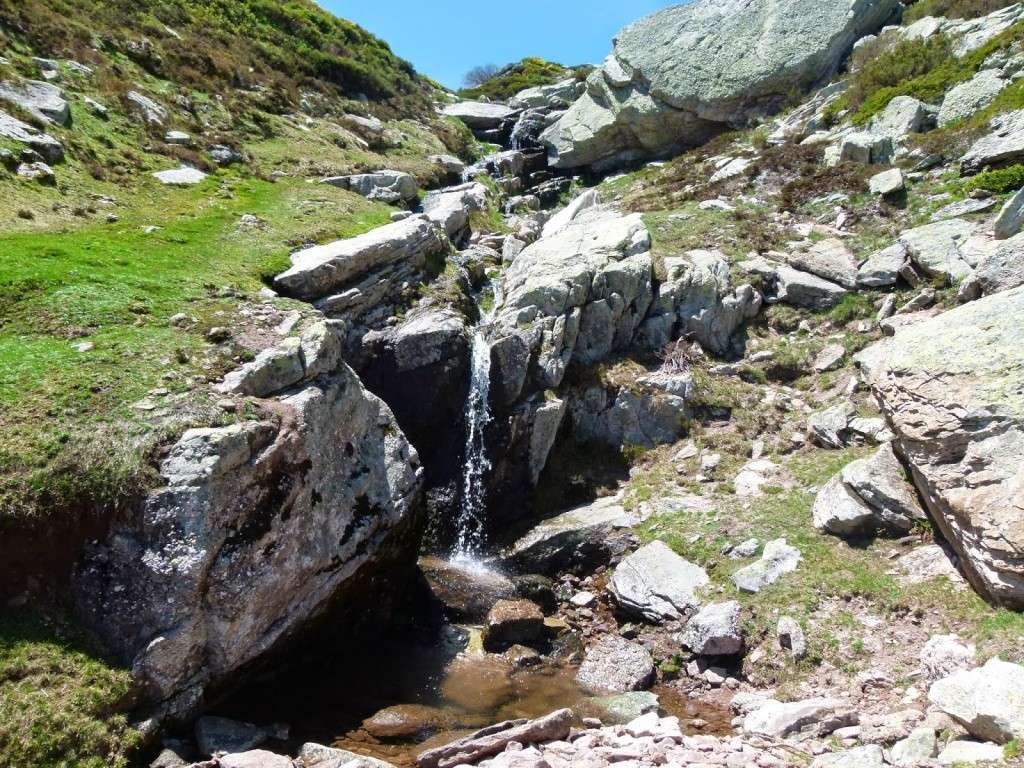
62,704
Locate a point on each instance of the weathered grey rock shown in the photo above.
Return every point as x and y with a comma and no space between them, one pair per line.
1001,269
829,259
385,186
37,171
450,208
777,559
950,387
453,166
963,208
589,199
220,734
512,622
179,138
479,115
830,428
1002,146
494,739
47,146
937,249
258,529
970,753
681,74
865,148
1010,218
777,720
561,93
614,664
467,593
144,109
791,637
656,584
902,116
882,269
802,289
319,756
830,358
623,708
887,183
966,98
585,536
880,483
42,100
920,746
945,655
180,177
273,369
841,512
318,271
988,701
715,630
867,756
257,758
224,156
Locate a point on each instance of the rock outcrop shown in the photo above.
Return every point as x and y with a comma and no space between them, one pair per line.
682,74
260,528
952,389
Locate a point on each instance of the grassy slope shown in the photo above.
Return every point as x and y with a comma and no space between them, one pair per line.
528,73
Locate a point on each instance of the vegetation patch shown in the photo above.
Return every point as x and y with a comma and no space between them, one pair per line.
531,72
953,9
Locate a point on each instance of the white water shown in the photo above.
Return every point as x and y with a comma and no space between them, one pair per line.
470,525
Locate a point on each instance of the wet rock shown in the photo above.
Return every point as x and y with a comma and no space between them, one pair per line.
776,720
478,683
987,701
624,707
220,734
466,591
493,740
385,186
538,589
656,584
949,388
407,722
615,664
513,622
791,637
520,656
776,561
582,538
715,630
684,73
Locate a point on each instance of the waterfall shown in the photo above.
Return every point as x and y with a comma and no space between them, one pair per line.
472,511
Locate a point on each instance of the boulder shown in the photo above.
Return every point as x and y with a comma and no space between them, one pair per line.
777,559
582,538
988,701
273,370
589,199
614,664
802,289
966,207
944,655
831,428
407,722
258,529
322,270
257,758
224,156
829,259
684,73
44,101
656,584
178,138
1002,146
970,753
964,99
1000,269
494,739
882,269
715,630
625,416
863,147
887,183
937,249
449,208
880,482
1010,218
319,756
776,720
903,116
830,358
839,511
513,622
11,128
145,110
467,592
479,115
623,708
791,637
385,186
950,389
180,177
919,747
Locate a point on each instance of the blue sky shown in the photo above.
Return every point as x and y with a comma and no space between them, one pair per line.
446,38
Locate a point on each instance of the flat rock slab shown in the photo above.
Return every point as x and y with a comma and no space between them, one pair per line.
656,584
479,115
493,740
776,561
180,177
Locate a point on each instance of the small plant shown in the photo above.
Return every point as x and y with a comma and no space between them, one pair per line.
1011,750
26,214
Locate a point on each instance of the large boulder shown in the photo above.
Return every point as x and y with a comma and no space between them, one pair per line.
259,528
657,585
951,389
999,269
686,72
349,277
966,98
715,630
386,186
44,101
938,249
987,701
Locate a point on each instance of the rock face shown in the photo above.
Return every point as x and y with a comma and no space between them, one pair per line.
260,527
479,115
656,584
680,75
386,186
987,701
951,389
47,146
348,278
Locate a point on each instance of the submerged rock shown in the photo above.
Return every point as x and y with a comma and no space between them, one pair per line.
513,622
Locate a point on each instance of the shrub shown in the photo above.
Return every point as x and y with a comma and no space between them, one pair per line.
953,9
999,181
906,61
510,80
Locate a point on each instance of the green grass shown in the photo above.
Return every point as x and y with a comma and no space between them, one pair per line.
70,435
62,705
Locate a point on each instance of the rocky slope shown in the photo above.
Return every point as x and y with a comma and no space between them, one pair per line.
777,379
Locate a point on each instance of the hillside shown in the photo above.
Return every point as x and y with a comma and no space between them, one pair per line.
531,72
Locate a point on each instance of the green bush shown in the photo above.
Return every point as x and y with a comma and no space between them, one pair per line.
528,73
999,181
953,9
